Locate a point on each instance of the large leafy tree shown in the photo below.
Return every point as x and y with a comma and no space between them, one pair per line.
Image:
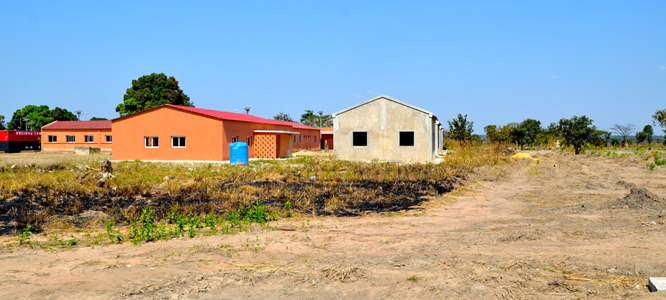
649,133
34,117
151,91
531,128
283,117
492,134
498,134
460,129
577,131
311,119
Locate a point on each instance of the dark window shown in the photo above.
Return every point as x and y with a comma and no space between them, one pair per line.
89,139
178,141
407,138
108,139
152,142
70,139
360,139
234,139
294,138
300,138
249,141
53,138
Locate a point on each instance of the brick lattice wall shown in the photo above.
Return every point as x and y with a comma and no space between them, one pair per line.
265,146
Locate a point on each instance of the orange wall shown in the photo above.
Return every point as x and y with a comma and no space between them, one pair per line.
243,130
207,138
203,136
305,140
99,140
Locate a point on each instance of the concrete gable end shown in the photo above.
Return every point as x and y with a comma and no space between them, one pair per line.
391,130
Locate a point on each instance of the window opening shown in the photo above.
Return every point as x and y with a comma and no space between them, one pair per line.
359,138
407,138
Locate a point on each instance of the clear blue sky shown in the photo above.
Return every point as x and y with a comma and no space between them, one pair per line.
497,61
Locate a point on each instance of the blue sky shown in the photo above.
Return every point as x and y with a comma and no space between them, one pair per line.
496,61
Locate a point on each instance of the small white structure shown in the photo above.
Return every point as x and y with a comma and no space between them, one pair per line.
386,129
657,284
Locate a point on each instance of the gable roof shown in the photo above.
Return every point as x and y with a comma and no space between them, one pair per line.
222,115
387,98
80,125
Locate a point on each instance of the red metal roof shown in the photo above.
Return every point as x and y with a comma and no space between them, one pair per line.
83,125
229,115
299,125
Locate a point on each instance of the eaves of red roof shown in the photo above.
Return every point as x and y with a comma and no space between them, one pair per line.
300,126
78,125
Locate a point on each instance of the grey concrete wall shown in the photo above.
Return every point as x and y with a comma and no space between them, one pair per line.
383,119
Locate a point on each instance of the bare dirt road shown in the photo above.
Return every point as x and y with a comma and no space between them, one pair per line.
555,229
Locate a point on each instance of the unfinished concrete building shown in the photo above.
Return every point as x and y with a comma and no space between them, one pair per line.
386,129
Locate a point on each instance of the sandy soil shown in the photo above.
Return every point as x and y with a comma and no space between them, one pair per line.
525,231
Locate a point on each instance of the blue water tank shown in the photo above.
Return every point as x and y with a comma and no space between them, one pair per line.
238,154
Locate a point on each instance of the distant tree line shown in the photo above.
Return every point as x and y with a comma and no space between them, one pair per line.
575,131
308,118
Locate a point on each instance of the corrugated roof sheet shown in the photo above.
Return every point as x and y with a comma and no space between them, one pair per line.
229,115
81,125
299,125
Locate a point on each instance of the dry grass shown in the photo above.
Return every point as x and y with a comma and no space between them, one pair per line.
66,185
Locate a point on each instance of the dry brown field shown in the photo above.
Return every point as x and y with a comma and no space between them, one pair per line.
558,227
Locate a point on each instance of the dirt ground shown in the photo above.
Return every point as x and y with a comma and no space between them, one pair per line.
559,228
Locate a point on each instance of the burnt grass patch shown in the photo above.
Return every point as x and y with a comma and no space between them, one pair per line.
33,206
36,195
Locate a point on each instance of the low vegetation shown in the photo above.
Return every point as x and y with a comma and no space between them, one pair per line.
154,201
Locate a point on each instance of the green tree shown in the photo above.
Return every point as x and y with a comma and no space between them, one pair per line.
532,129
577,131
311,119
603,138
641,137
492,134
283,117
649,133
660,118
2,122
460,129
519,136
151,91
59,114
98,119
34,117
308,118
525,133
498,134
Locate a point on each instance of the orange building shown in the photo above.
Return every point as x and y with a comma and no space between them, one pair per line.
307,138
64,136
181,133
327,138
